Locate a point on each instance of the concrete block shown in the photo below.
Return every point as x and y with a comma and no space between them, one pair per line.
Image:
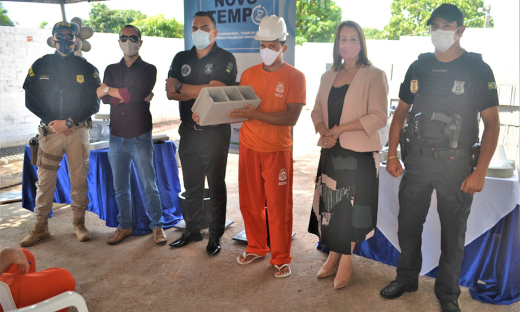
18,37
20,51
8,97
6,51
8,30
214,103
38,39
7,37
7,76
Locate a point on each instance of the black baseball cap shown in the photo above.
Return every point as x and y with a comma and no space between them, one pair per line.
449,12
66,25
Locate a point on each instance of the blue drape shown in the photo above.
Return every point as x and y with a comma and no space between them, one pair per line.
101,189
493,259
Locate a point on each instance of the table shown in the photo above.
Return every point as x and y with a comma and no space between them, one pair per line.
101,189
491,264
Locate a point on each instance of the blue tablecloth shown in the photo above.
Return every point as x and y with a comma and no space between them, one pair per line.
491,264
101,189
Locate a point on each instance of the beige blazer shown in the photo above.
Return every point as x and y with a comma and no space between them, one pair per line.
366,100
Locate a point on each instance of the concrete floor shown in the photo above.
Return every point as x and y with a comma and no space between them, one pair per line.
137,275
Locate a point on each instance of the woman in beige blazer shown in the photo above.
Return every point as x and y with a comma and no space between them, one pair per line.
351,107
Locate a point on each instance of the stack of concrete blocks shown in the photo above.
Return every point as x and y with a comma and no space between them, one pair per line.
214,103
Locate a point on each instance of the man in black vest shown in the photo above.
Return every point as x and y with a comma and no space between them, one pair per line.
60,89
447,91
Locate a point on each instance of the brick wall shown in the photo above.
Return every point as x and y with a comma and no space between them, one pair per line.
20,47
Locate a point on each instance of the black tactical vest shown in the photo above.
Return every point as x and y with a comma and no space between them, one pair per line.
447,88
62,84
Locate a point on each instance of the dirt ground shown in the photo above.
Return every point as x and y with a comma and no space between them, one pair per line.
137,275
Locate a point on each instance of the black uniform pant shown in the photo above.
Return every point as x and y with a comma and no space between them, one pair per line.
422,175
203,153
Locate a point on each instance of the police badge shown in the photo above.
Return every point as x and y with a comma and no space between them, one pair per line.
208,69
185,70
458,87
80,78
414,86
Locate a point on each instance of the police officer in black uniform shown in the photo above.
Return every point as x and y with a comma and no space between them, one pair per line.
60,89
203,150
447,91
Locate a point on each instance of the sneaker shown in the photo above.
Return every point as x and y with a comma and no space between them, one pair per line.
81,231
38,232
119,235
159,237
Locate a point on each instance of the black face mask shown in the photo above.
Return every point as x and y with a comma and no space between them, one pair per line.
65,46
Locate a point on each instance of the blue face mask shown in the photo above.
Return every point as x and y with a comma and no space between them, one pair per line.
200,39
65,46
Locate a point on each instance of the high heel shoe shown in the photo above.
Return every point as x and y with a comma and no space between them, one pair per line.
339,283
332,258
324,273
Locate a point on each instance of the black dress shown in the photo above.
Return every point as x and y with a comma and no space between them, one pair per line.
346,194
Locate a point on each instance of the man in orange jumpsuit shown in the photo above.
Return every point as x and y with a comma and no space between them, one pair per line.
265,156
18,271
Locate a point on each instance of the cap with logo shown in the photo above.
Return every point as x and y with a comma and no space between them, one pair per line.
272,28
449,12
73,27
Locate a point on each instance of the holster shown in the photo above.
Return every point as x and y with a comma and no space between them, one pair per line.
403,141
33,145
475,153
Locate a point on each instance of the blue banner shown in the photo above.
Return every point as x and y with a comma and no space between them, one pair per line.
237,21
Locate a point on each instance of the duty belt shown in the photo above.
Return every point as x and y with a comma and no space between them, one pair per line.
48,130
439,152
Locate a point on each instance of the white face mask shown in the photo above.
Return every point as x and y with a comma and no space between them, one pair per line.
200,39
442,39
269,56
130,48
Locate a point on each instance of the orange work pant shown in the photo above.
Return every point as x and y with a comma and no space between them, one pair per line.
33,287
266,178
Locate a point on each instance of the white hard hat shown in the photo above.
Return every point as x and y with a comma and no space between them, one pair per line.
272,28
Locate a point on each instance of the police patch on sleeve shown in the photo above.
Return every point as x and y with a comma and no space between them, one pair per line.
492,85
31,73
208,69
185,70
229,67
80,78
96,74
414,86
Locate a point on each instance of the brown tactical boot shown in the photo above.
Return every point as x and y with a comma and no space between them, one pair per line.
159,237
38,232
81,231
119,235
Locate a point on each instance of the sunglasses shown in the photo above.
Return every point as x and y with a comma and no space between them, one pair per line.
132,38
64,36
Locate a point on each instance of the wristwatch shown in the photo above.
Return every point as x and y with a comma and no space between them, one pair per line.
178,87
106,89
69,123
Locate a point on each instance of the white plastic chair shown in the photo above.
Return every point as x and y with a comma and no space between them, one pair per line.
61,301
